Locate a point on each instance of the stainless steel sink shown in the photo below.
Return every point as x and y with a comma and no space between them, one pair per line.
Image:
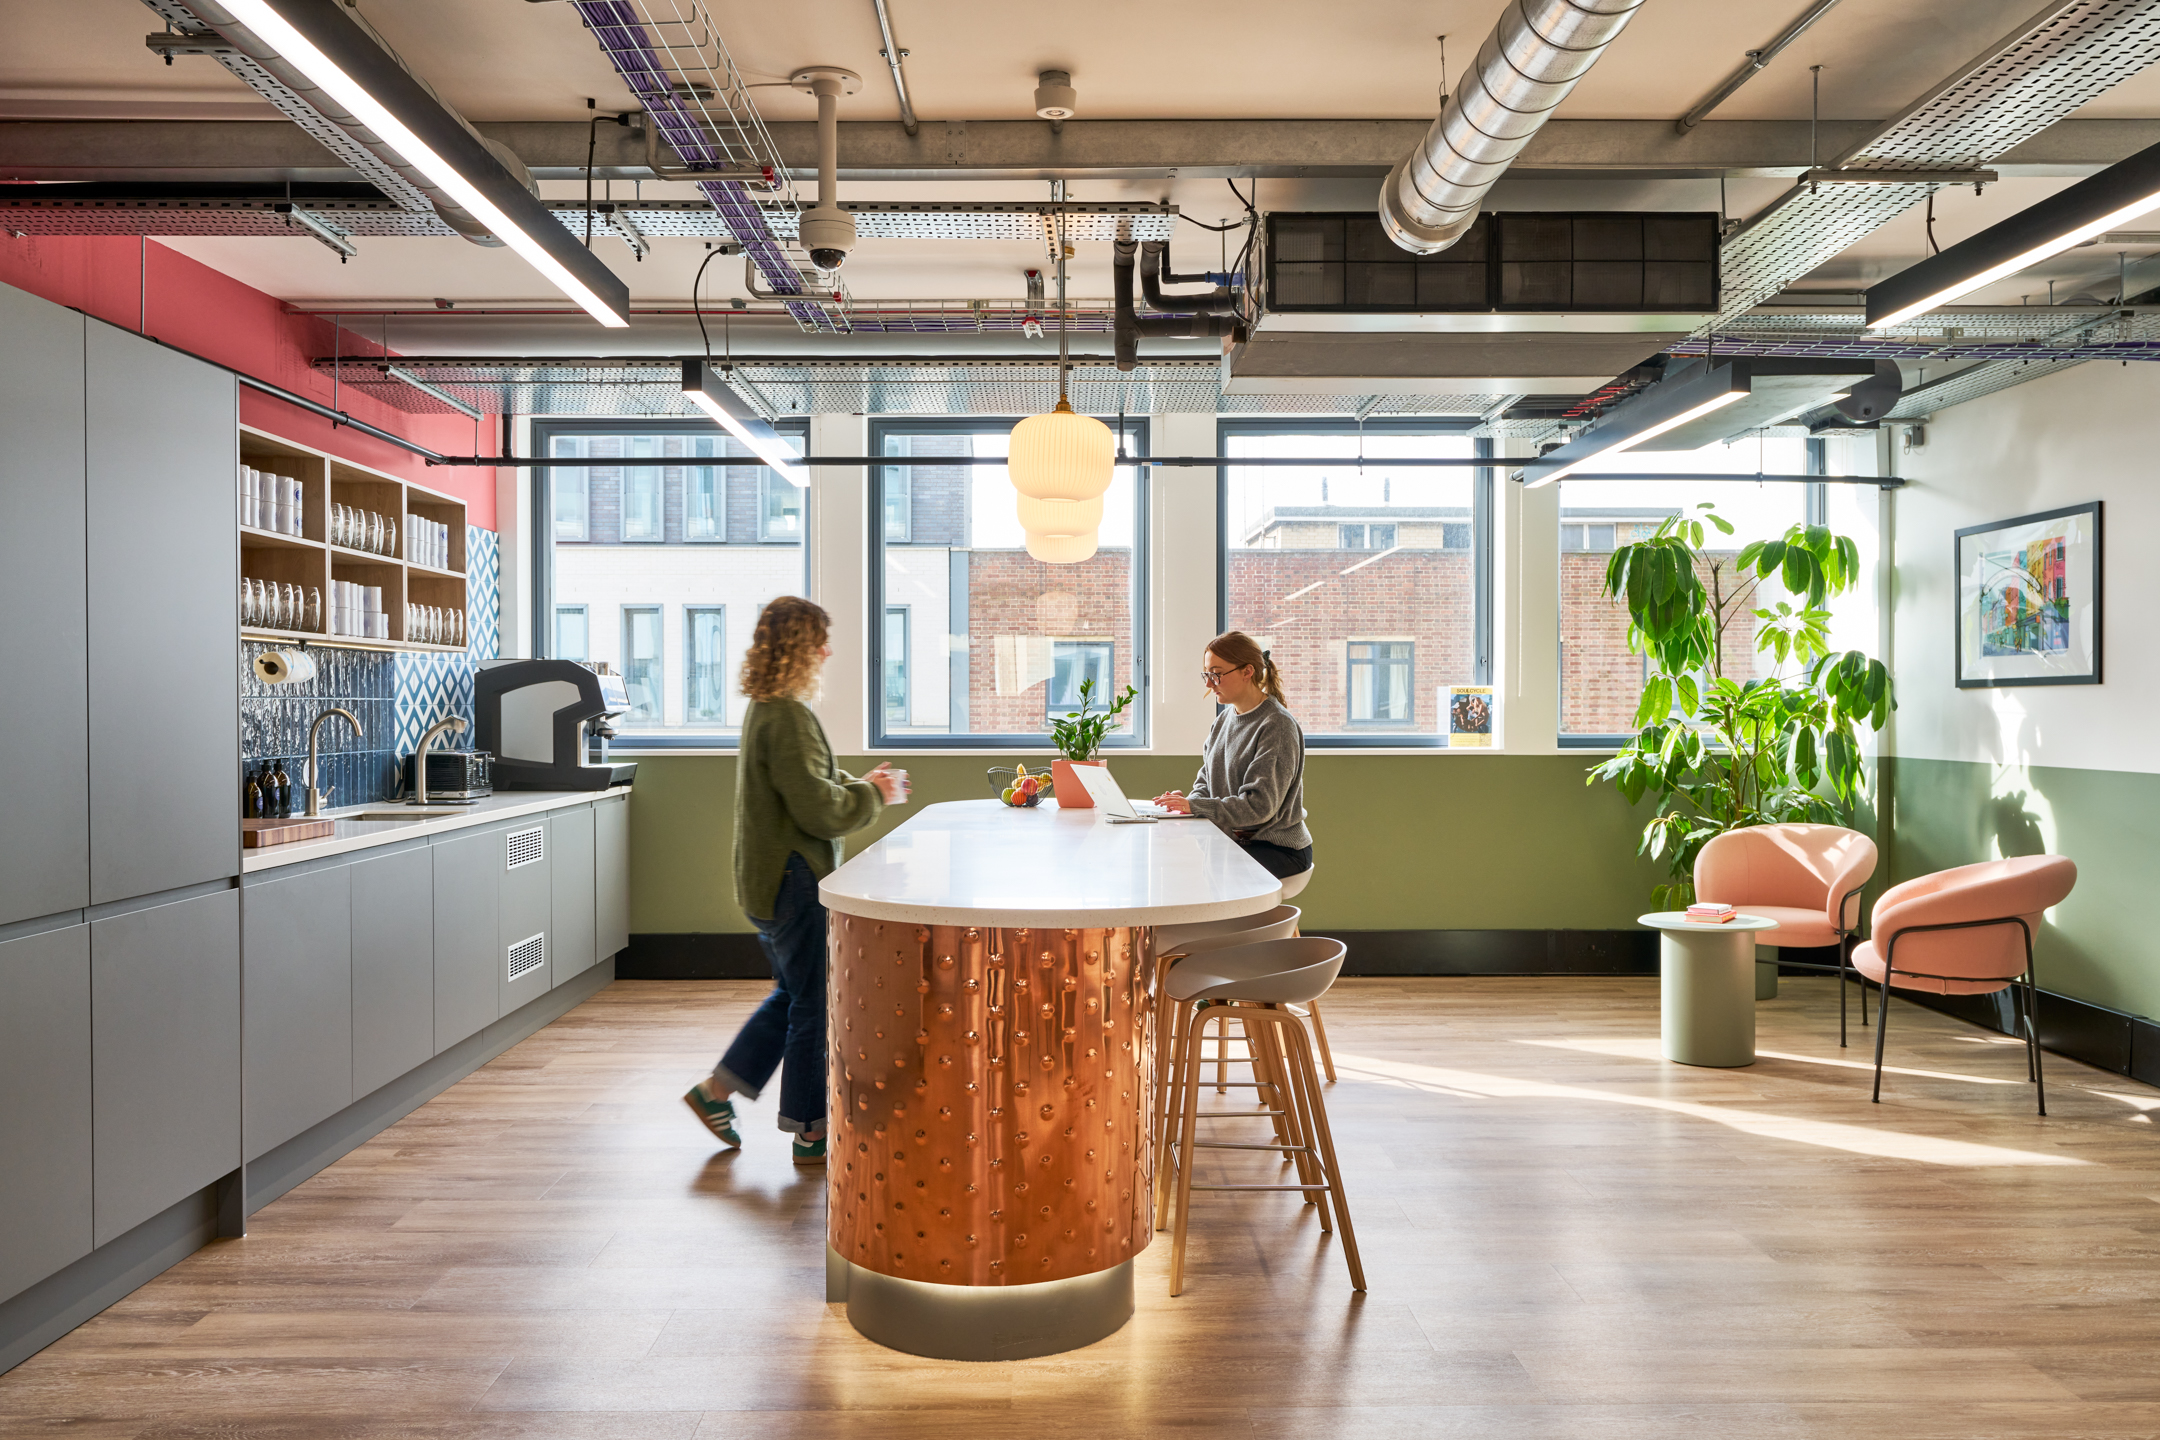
409,813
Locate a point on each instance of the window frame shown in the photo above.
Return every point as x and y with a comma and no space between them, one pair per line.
766,482
584,614
690,660
584,535
1481,545
906,616
658,611
1351,665
1056,710
718,472
540,554
907,508
1137,721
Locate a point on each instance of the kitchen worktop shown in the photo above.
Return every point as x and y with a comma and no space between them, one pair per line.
979,862
356,834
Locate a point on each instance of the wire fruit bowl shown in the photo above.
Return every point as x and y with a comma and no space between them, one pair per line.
1005,780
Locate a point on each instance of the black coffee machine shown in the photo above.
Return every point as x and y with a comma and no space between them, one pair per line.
545,721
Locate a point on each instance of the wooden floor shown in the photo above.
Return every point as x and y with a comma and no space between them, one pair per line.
1566,1237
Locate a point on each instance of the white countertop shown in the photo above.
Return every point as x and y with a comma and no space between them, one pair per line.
978,862
362,834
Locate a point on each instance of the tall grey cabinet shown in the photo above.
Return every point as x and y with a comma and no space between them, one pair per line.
119,920
44,863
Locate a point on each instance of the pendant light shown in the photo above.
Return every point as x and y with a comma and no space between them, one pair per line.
1060,517
1062,549
1061,456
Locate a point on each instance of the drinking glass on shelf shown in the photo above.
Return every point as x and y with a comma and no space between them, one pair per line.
389,536
247,601
457,627
314,610
292,606
337,524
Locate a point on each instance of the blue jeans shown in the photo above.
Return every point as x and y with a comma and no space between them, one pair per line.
787,1032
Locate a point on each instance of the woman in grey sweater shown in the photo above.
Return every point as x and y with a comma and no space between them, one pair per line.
1252,774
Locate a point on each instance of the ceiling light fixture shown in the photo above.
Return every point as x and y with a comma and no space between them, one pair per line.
1060,457
712,394
2090,208
329,51
1665,406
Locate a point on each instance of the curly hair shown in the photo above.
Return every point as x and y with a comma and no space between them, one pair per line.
783,661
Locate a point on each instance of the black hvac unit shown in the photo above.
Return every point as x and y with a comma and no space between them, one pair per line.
1618,261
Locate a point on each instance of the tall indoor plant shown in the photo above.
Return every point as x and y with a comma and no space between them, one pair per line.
1719,753
1078,736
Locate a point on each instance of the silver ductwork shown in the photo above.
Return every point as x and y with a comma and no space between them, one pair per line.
1525,68
344,134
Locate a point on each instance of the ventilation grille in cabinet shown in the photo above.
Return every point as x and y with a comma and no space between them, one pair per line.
526,846
528,955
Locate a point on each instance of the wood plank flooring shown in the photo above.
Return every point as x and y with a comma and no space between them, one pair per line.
1566,1237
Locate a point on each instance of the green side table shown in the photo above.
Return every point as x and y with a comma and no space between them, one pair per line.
1706,987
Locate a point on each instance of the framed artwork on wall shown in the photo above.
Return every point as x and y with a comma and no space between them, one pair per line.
2028,600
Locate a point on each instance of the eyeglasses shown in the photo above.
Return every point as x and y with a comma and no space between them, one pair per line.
1211,678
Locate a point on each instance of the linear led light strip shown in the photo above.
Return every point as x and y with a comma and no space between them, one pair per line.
738,419
277,32
1630,442
2084,212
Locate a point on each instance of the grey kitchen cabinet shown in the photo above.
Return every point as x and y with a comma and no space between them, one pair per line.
527,903
162,456
297,994
45,846
165,1056
45,1120
466,868
611,874
570,933
393,967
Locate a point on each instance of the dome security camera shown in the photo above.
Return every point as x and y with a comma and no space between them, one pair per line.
828,233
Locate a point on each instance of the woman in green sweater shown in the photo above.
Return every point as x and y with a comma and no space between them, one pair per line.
792,805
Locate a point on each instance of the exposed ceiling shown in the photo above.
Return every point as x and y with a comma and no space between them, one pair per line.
516,61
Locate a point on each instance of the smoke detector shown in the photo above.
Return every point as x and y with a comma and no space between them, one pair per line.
1055,98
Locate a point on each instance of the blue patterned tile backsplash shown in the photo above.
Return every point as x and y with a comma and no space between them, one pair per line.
395,695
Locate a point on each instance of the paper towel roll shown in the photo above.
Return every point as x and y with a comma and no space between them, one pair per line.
284,667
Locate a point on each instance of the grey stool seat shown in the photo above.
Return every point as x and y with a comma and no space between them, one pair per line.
1176,945
1256,984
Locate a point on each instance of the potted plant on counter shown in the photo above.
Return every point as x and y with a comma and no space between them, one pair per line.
1718,752
1078,736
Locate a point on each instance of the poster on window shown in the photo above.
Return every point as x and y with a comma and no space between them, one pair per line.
2028,602
1469,716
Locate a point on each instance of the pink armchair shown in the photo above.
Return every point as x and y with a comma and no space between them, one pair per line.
1808,878
1967,931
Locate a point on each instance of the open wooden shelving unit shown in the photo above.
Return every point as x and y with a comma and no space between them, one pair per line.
310,561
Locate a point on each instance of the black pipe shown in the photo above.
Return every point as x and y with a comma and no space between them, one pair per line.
1127,327
1154,258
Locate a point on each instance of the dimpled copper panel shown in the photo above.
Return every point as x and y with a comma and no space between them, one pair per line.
990,1092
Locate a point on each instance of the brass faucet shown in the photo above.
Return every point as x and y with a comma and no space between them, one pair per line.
316,797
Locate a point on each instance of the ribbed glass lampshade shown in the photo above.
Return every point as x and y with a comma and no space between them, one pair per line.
1061,456
1059,517
1062,549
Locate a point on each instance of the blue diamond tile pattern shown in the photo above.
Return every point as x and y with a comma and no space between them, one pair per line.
397,696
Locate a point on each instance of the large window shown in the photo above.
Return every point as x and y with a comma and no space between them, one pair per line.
705,677
1601,681
652,549
641,663
995,642
1366,581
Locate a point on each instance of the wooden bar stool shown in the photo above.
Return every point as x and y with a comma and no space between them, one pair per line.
1291,889
1256,984
1173,943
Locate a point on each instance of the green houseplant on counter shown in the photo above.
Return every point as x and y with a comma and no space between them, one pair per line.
1077,737
1719,753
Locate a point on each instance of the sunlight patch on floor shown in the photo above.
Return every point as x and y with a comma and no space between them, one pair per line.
1855,1139
1647,1049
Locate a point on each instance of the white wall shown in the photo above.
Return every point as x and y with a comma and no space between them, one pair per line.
2090,433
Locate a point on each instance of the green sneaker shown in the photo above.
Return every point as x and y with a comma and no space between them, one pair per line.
809,1152
717,1116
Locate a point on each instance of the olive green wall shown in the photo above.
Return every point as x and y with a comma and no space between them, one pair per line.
2099,945
1454,842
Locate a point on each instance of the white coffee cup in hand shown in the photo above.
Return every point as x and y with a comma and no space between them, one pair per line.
891,783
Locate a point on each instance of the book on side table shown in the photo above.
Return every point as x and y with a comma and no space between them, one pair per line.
1706,914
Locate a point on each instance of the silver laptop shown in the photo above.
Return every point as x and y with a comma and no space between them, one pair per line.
1109,796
